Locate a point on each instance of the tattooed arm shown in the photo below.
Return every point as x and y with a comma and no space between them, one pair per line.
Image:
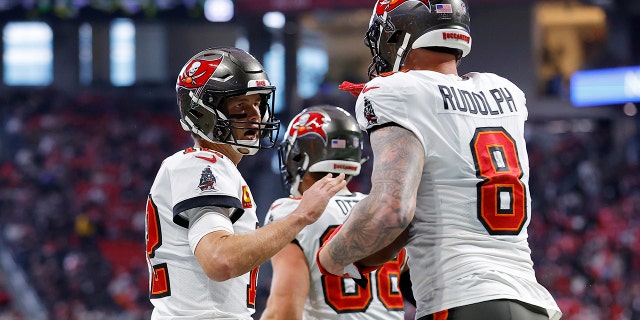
376,221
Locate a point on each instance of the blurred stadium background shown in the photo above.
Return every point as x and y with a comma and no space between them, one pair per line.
88,112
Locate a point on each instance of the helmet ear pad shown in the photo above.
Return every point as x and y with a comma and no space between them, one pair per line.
293,166
206,120
221,130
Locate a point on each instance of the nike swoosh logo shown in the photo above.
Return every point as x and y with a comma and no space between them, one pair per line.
212,159
369,88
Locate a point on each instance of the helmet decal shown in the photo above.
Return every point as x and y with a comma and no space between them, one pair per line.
444,8
309,123
258,83
388,5
197,72
456,36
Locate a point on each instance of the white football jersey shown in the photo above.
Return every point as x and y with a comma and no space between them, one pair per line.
179,288
332,297
468,239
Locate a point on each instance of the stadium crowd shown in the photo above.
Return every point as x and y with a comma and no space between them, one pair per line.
75,170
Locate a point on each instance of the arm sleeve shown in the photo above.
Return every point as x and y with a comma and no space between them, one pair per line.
205,220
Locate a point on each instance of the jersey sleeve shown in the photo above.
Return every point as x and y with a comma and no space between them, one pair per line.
390,100
203,179
205,220
280,209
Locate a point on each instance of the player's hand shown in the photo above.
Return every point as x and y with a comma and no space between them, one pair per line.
315,199
355,271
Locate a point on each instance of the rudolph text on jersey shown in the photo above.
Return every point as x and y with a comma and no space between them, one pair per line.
495,101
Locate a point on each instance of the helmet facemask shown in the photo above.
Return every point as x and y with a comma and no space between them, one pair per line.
266,129
372,41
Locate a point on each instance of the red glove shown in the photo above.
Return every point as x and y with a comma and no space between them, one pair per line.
355,270
353,88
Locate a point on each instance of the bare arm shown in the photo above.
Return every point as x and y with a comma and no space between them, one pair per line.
289,285
223,255
380,218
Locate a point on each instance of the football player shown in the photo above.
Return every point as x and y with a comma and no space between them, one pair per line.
450,166
203,249
319,140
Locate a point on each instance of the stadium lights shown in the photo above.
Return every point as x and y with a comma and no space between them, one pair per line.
274,20
218,10
605,86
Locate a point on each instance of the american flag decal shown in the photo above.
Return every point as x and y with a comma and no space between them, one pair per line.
443,8
338,143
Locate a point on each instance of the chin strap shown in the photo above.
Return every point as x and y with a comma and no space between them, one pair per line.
295,184
402,52
251,147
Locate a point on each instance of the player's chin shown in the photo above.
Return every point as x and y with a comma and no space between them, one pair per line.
387,253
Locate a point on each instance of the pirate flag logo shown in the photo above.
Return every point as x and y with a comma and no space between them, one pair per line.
207,179
388,5
309,123
197,72
369,114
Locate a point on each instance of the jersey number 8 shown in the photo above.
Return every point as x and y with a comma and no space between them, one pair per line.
502,202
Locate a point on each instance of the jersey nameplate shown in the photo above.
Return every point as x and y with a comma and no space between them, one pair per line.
493,102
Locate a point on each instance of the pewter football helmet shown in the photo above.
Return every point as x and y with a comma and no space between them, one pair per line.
212,76
397,26
320,139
